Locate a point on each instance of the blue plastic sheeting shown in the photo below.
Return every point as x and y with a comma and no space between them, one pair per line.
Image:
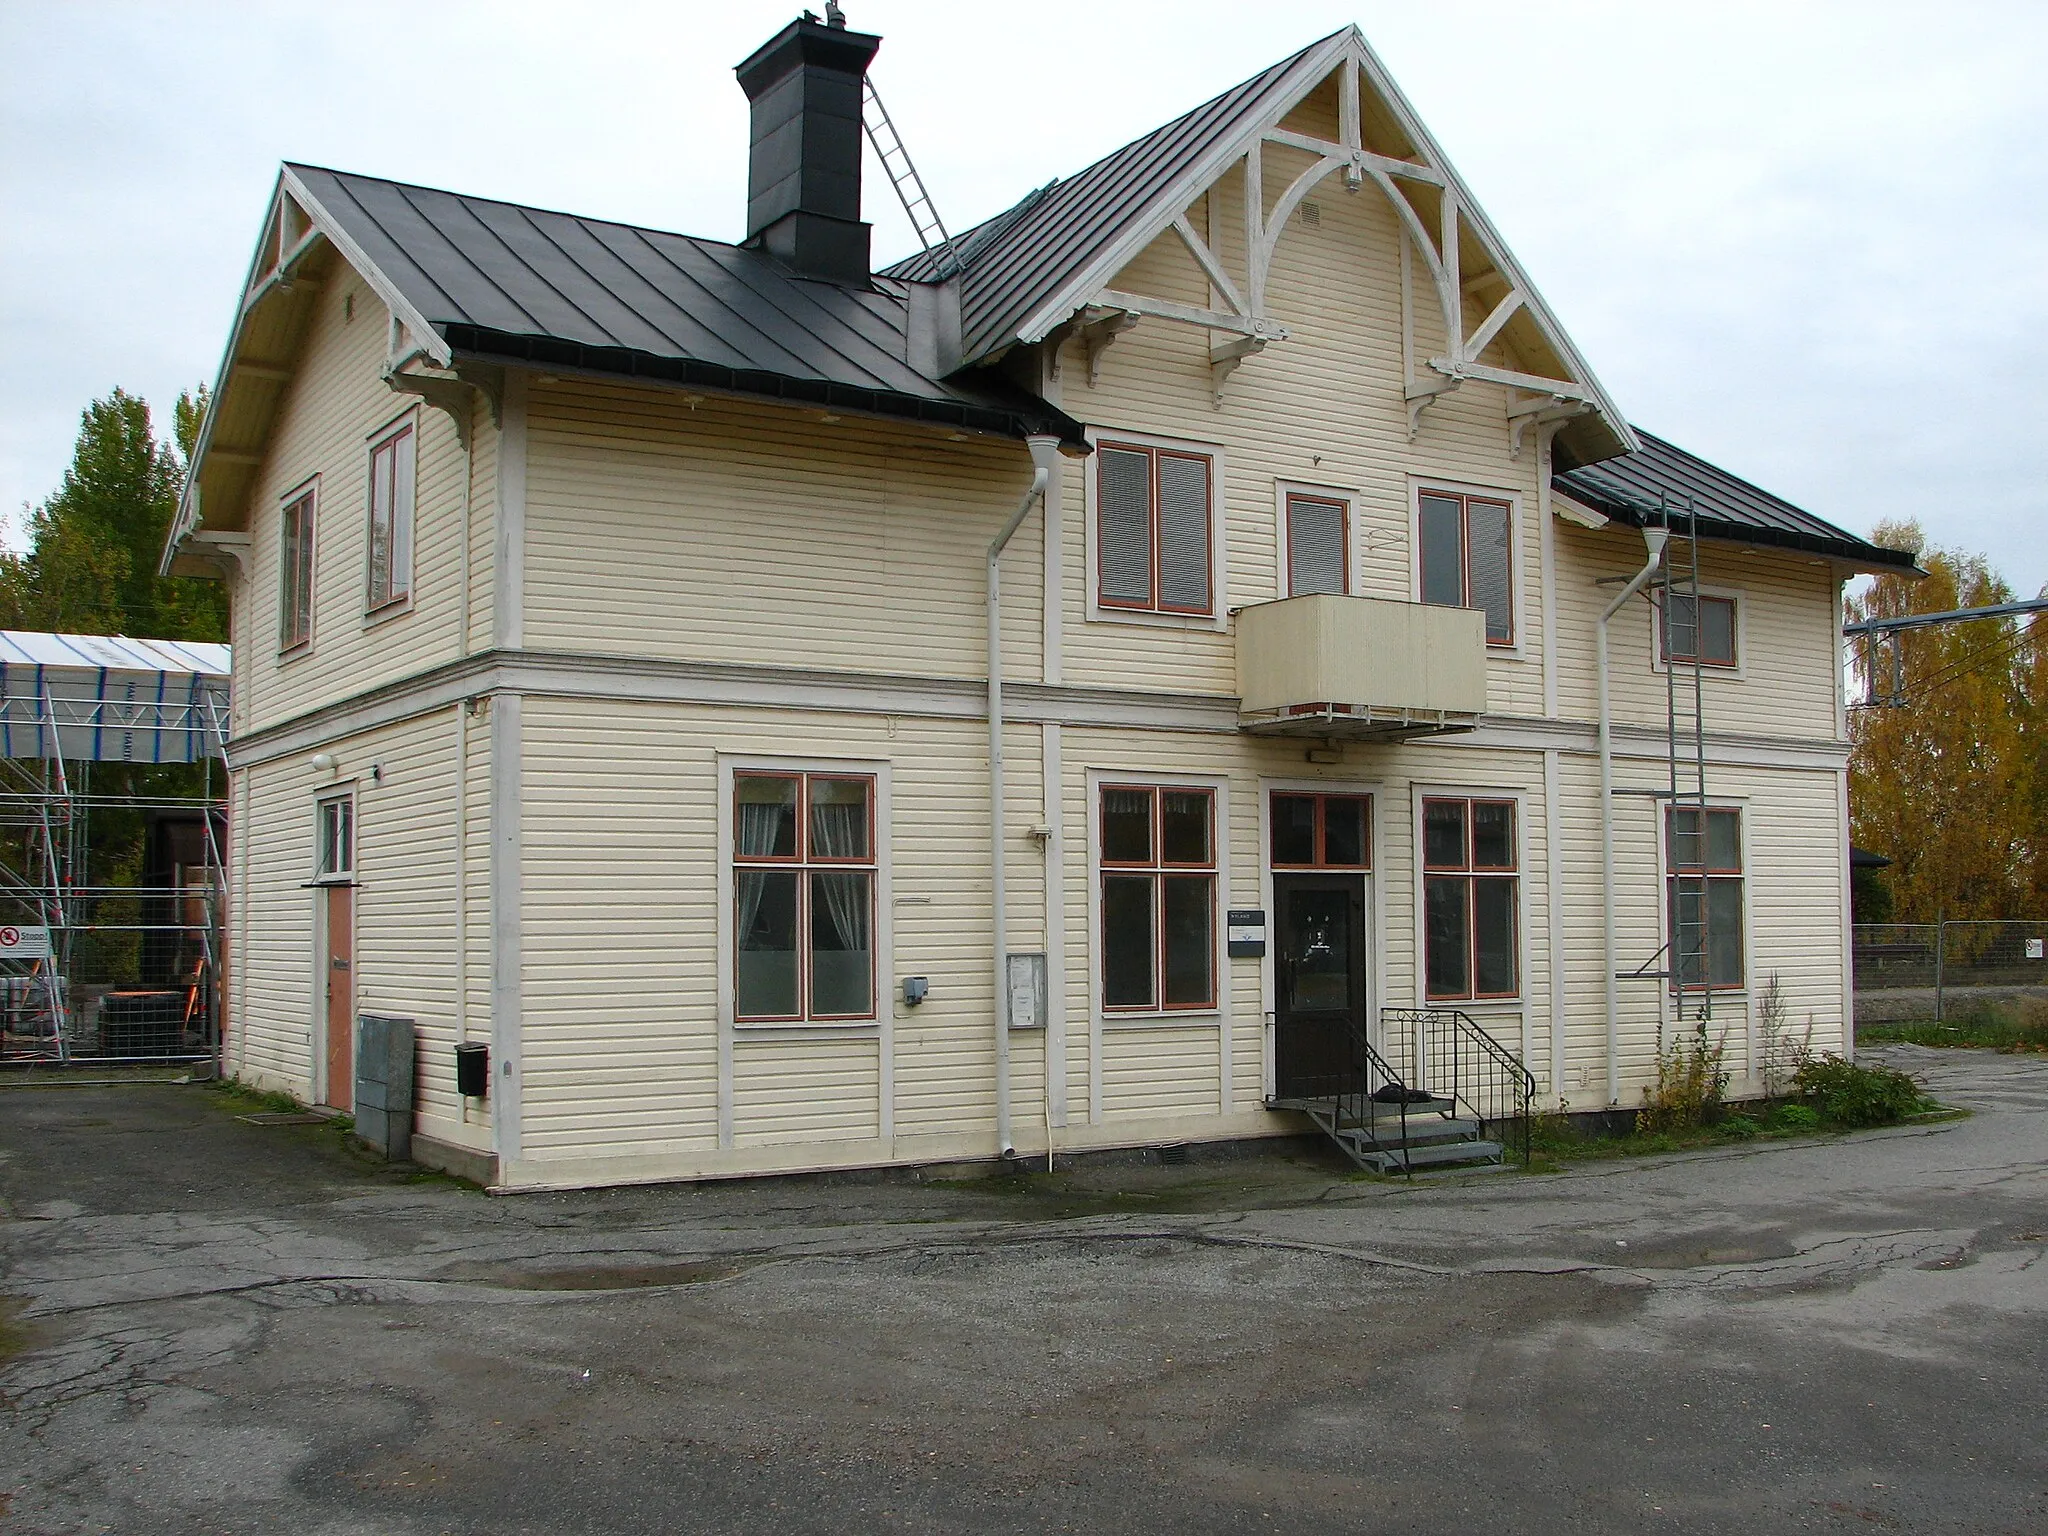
110,699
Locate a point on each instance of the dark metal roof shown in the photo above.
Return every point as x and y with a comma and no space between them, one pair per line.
508,281
1017,261
1635,488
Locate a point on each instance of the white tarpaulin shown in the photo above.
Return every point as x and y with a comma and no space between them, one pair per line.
109,699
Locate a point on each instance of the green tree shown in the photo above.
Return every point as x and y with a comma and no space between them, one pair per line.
1952,784
91,564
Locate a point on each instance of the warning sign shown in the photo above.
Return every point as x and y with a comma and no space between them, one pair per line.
24,943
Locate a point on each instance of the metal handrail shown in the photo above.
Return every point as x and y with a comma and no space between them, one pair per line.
1484,1075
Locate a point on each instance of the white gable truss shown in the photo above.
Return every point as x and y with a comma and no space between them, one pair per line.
1445,228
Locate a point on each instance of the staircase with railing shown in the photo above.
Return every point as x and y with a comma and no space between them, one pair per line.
1389,1122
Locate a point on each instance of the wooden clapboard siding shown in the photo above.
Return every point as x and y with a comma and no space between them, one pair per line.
851,545
335,403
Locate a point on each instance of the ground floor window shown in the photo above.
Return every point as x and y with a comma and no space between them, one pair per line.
1704,895
803,896
1158,864
1471,896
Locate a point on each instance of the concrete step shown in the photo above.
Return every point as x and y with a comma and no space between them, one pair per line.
1441,1154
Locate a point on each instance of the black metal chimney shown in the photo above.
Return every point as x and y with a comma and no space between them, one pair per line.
803,170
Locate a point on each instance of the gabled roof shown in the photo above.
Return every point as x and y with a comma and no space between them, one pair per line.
1025,272
509,281
1012,264
1639,488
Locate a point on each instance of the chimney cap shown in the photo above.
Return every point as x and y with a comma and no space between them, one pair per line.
806,41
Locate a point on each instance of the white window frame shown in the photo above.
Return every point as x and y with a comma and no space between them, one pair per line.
1523,617
398,602
1219,596
1524,998
309,491
732,767
345,801
1157,1017
1283,490
1710,669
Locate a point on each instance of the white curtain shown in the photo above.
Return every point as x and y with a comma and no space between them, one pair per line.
840,831
757,828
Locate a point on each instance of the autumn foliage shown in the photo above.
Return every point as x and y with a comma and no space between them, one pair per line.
1952,783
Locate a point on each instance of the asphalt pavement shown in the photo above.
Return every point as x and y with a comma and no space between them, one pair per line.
220,1327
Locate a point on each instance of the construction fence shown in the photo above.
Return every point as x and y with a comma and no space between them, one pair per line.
1913,971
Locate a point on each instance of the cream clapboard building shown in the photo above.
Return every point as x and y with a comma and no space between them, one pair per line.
613,663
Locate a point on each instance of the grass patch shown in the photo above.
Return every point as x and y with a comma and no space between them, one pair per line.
2017,1024
13,1336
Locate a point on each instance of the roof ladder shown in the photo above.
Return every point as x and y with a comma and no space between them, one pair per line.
917,203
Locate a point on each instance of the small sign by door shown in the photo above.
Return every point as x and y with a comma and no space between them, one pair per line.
1026,976
1245,933
24,943
2035,949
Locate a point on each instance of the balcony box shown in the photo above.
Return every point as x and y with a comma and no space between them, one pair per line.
1359,668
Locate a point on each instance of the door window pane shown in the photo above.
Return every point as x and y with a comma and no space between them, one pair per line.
767,960
1127,941
1190,948
1443,834
1127,826
1447,939
766,826
1294,829
842,959
1344,832
1184,826
1316,971
1493,835
1493,938
1443,554
1315,546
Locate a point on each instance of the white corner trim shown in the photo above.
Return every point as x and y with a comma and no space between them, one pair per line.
508,1069
508,555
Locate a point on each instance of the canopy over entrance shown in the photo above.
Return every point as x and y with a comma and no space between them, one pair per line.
110,699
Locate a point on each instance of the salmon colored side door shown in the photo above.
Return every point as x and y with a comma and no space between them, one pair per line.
339,975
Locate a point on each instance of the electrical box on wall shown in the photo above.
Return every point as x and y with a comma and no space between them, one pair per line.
1024,978
1245,933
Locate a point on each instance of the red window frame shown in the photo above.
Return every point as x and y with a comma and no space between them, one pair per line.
1154,603
1161,869
384,462
1322,850
1343,509
800,861
1466,502
1700,602
1471,871
295,573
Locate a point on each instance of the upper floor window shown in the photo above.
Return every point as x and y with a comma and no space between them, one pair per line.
1158,858
1464,548
804,896
1701,629
1318,545
1705,895
295,572
1471,890
1152,531
336,850
392,460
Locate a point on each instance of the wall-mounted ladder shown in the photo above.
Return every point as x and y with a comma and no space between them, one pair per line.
1679,622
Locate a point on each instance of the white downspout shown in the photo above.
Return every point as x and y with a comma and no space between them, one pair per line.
1655,538
1044,457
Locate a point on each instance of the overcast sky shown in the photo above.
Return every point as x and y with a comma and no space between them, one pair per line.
1807,241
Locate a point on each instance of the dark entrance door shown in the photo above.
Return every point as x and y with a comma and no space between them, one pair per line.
1318,981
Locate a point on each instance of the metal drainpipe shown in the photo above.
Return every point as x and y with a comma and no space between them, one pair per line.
1655,538
1045,451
